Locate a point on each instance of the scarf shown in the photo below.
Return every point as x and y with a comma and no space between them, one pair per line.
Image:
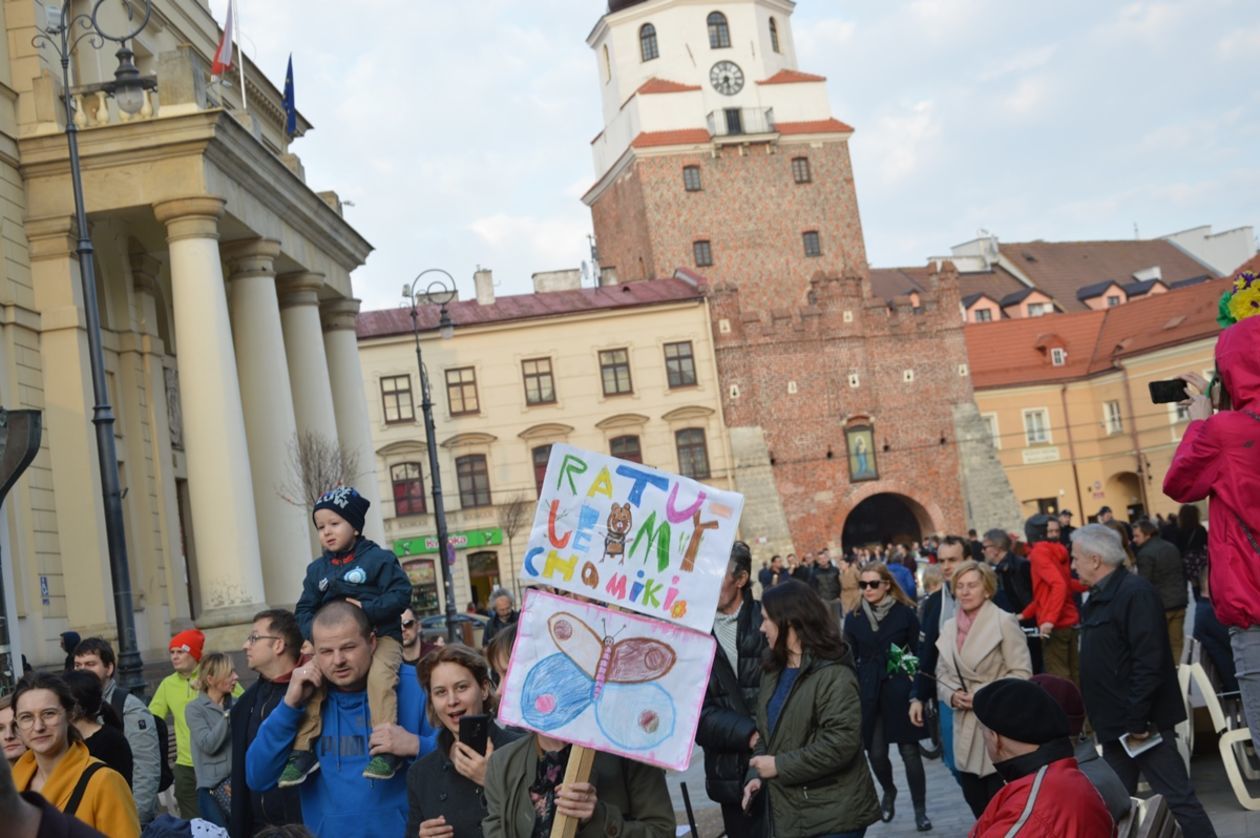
542,793
949,606
965,622
875,614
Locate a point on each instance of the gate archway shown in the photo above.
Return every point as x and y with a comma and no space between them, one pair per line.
886,518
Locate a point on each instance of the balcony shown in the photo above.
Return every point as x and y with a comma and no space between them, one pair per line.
740,124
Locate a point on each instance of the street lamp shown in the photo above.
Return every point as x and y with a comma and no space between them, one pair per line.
63,34
440,293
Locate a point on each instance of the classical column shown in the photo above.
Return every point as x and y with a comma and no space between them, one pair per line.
219,481
349,401
304,348
284,528
74,567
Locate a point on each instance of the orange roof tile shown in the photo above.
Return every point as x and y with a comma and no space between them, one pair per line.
655,85
817,126
1006,353
791,77
685,136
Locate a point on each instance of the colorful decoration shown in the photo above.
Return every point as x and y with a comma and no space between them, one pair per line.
1241,301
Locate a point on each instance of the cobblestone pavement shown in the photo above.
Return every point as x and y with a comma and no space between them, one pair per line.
949,813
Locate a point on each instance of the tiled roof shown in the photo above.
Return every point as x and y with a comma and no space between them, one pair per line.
1139,287
971,299
684,136
994,284
1252,264
1016,297
791,77
1088,292
888,283
397,321
1006,353
1060,269
817,126
655,85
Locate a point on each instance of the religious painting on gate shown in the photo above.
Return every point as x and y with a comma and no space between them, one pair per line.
860,440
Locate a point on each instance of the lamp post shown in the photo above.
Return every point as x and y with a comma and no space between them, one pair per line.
63,34
441,293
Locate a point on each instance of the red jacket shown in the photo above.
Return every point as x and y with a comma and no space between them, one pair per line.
1067,806
1219,458
1052,586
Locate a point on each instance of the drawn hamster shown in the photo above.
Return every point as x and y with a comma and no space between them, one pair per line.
619,521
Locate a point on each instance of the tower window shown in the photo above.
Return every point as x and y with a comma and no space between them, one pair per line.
719,31
691,178
704,253
607,65
800,170
774,35
647,42
813,247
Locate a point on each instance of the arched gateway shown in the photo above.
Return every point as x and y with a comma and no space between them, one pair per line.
885,518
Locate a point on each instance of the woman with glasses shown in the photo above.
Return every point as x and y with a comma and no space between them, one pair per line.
808,756
210,737
980,644
883,632
9,739
58,766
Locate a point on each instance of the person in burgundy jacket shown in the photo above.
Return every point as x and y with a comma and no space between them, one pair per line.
1046,794
1219,459
1052,606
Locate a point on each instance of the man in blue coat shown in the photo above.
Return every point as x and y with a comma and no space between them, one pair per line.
337,800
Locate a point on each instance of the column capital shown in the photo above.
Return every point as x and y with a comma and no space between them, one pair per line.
300,289
340,314
144,272
251,257
190,218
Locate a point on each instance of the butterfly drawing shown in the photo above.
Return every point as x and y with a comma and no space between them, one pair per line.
617,677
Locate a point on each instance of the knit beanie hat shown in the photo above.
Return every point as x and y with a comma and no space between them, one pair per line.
347,503
1020,710
1067,696
191,641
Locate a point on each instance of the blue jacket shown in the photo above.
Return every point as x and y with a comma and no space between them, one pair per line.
337,800
904,578
372,575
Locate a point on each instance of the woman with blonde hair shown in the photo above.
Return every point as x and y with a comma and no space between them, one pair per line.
210,737
980,644
883,632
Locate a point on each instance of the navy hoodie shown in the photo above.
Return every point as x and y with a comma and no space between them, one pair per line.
370,574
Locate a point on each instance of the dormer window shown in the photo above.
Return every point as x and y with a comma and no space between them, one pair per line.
1058,356
647,42
719,31
1113,300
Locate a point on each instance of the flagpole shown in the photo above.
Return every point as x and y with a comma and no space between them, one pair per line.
236,25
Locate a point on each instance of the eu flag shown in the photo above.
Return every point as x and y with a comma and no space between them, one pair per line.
290,108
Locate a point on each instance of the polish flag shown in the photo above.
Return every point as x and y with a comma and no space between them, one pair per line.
223,55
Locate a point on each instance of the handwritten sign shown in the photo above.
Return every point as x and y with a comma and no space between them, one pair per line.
607,680
632,536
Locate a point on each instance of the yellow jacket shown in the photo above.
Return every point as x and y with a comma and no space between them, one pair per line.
107,805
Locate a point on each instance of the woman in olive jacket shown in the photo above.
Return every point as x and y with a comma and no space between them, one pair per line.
809,722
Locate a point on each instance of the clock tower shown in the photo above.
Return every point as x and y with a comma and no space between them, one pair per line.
718,153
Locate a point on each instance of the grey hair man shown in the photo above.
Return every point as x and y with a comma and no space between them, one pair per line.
1128,678
503,613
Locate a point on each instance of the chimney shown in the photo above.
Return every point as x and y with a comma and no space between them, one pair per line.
483,279
545,281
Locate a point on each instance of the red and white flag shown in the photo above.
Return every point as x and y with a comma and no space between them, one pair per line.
223,55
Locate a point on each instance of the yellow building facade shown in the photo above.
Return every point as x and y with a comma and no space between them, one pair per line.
1066,399
228,326
626,369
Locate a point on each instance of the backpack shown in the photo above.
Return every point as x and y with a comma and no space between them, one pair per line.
118,701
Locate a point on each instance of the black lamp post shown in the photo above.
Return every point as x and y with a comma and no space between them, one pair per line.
440,293
63,34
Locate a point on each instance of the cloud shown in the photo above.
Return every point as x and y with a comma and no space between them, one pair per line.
555,242
1241,43
1029,96
1019,62
898,143
816,40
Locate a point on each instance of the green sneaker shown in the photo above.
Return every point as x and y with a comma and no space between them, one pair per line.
382,767
301,765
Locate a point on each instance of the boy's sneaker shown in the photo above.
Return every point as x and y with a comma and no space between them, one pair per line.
301,765
382,767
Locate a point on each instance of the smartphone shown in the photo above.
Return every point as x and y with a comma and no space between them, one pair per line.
474,731
1164,392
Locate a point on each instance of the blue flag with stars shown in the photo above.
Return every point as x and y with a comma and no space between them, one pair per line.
290,108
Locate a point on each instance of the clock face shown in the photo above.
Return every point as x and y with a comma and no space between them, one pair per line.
726,78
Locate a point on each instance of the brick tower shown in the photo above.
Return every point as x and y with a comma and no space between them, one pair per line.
851,418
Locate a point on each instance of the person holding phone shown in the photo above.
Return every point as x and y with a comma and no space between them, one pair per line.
446,789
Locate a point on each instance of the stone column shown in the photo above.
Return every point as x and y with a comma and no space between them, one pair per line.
284,529
304,348
354,426
220,484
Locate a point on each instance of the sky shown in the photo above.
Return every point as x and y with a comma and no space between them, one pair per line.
460,130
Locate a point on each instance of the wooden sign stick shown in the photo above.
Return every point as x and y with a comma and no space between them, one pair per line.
581,760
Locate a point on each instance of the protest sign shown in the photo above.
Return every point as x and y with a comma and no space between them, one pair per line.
632,536
607,680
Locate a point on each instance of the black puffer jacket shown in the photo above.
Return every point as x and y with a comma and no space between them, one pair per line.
727,721
826,581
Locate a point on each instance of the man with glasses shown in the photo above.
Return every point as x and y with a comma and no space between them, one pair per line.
272,649
410,637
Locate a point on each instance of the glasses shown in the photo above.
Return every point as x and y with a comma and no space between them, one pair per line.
864,585
254,638
49,716
408,623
